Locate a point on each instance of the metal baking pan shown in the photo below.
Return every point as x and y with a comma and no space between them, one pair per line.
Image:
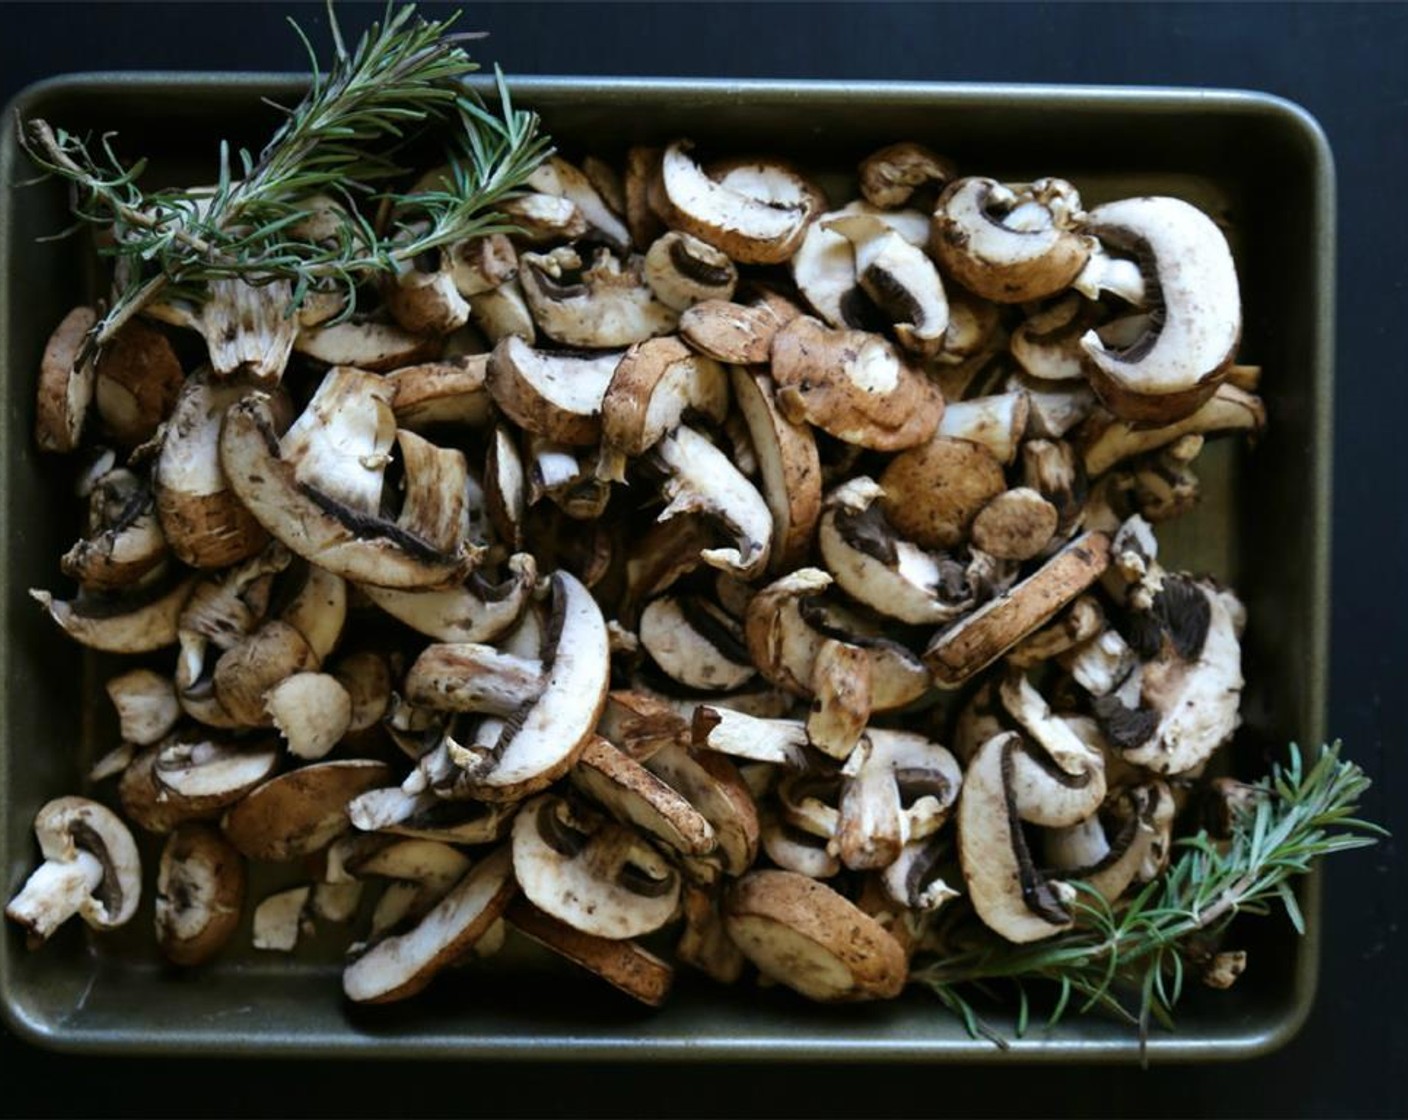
1259,164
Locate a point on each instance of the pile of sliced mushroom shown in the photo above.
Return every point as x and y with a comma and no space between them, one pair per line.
715,570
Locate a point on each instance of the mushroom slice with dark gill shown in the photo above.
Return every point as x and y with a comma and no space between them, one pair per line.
824,267
695,643
601,305
124,544
1133,850
682,271
475,611
891,176
131,621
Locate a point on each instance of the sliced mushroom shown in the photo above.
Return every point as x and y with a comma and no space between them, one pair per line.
554,394
91,868
899,279
701,479
282,918
301,811
247,327
1078,623
653,387
200,888
682,271
65,383
740,333
1135,853
891,176
557,177
997,422
933,492
114,762
898,787
803,934
602,305
481,264
640,724
761,739
132,621
124,544
714,787
975,642
705,943
311,710
450,391
246,672
1018,524
695,643
1187,350
915,879
597,876
842,703
366,344
469,677
853,385
422,294
191,779
503,311
542,220
824,266
425,816
795,849
640,799
146,705
422,872
1009,244
138,381
1105,441
475,611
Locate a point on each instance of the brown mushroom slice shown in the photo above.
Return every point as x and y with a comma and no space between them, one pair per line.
933,492
639,798
622,964
1186,351
1105,440
700,479
480,264
301,811
244,673
246,327
475,611
915,879
695,643
131,621
975,642
146,705
350,543
842,702
112,763
225,607
804,935
91,868
425,299
65,383
890,176
739,333
312,711
788,466
682,271
315,606
541,740
422,872
712,784
505,488
779,741
1079,623
641,175
200,889
784,643
471,677
899,279
124,544
1004,785
281,919
542,219
640,724
450,391
750,229
191,779
138,378
1009,244
853,385
341,441
596,875
368,345
1047,343
997,422
705,943
897,787
654,385
795,849
602,305
1055,408
557,395
873,564
398,967
425,816
1018,524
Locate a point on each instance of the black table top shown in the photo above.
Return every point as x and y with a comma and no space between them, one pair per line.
1346,64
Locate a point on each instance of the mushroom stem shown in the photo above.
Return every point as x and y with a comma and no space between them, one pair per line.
55,893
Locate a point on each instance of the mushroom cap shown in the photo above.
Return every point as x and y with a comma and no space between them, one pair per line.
65,386
301,811
449,391
740,333
200,889
933,492
891,175
652,387
138,381
803,934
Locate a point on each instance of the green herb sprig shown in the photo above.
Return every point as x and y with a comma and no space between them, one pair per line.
1132,959
404,76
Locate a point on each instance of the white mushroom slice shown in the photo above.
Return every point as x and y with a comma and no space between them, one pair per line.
556,395
915,879
824,266
91,868
784,644
975,642
350,543
317,609
435,493
281,919
1009,245
1143,820
1101,664
422,872
712,784
200,888
890,177
124,544
367,345
750,229
1105,441
1121,276
114,762
341,442
640,724
682,271
544,219
505,488
1047,343
481,264
302,811
557,177
773,181
854,385
639,798
998,422
311,710
186,780
335,902
897,787
1079,623
225,607
622,964
146,705
780,741
1002,786
899,279
1051,733
788,466
65,383
653,386
503,311
426,816
1177,364
701,479
366,676
695,643
1055,408
470,677
426,300
543,738
876,566
247,328
475,611
450,391
803,934
841,707
598,876
607,183
794,849
244,673
134,621
605,305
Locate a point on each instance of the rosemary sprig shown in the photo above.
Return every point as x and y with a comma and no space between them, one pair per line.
404,76
1132,959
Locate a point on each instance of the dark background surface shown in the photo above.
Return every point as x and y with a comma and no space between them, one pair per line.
1346,64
